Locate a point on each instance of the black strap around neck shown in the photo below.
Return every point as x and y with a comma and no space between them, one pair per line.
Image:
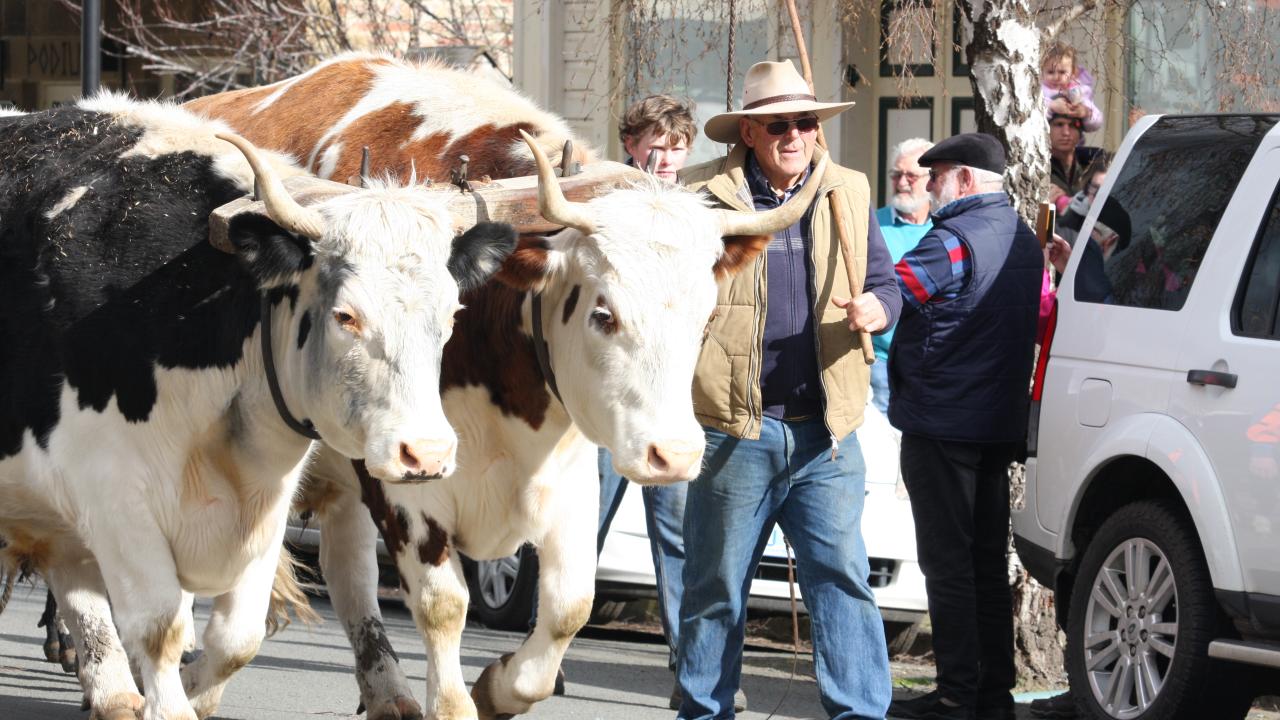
303,428
540,346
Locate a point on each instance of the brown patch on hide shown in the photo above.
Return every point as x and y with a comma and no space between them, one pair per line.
164,640
739,251
392,521
575,615
387,132
489,349
527,266
433,550
211,466
296,121
23,551
316,495
489,148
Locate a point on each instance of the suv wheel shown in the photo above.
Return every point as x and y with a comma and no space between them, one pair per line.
1142,616
503,590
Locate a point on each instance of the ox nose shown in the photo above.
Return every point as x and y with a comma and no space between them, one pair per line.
426,459
673,461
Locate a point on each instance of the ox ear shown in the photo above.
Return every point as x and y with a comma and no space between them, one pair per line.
739,251
272,255
528,267
479,252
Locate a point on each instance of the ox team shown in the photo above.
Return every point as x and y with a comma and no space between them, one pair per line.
381,332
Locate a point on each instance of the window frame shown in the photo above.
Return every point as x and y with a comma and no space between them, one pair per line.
1270,213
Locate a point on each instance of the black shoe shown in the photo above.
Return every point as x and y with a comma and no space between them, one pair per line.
559,688
677,697
930,706
996,707
1058,707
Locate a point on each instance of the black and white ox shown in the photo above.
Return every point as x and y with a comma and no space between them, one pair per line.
623,297
141,452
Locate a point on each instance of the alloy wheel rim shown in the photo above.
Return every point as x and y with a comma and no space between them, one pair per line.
498,579
1131,628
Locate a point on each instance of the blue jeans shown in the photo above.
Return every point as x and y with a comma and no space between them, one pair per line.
880,385
786,477
664,517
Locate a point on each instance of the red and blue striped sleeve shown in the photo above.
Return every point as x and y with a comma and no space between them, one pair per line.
935,269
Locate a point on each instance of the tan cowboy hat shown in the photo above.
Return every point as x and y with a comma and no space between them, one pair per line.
771,88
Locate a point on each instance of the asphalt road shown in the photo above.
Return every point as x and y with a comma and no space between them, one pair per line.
305,672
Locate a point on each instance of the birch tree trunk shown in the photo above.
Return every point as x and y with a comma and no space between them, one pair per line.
1004,61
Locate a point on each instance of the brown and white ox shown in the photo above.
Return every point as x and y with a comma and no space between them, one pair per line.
625,292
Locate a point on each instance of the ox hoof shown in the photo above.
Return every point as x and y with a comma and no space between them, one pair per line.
482,692
51,651
121,706
401,708
68,660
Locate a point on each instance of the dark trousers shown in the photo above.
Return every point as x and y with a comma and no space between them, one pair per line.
960,501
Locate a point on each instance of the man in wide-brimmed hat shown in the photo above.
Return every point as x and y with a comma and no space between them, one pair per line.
780,388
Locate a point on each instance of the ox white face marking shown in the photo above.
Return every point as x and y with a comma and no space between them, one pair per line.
373,391
631,351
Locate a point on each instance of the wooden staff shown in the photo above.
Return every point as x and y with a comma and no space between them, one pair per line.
837,208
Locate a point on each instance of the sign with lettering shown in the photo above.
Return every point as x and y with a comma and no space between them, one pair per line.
54,57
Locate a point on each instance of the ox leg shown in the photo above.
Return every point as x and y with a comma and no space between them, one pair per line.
49,622
232,636
147,603
348,558
566,588
66,646
108,685
436,593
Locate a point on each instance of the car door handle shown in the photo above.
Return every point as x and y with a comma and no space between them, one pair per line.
1211,377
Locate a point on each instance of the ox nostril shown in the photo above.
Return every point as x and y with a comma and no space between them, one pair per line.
657,460
407,458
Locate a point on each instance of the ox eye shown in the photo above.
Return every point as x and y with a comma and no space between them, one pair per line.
603,320
347,321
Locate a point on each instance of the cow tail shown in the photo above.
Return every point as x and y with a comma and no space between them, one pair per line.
9,572
287,594
9,578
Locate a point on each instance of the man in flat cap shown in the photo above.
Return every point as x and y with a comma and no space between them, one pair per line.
780,387
959,372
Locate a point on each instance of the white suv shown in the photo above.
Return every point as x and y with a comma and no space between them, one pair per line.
1152,501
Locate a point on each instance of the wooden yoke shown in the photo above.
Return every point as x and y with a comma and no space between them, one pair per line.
513,200
837,210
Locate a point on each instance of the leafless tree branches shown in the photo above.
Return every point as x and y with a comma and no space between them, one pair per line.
216,45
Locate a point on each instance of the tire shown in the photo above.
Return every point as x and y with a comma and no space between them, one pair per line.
503,590
901,636
1149,648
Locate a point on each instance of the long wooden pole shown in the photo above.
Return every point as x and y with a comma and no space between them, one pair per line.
837,208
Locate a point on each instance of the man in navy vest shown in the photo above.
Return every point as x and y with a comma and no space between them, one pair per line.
959,371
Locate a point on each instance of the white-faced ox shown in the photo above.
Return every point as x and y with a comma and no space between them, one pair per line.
625,294
141,453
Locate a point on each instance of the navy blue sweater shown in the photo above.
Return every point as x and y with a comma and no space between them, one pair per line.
790,384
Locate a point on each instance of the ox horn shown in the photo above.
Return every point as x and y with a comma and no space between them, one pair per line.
735,222
281,207
551,201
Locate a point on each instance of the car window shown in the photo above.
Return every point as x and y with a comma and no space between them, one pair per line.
1256,313
1155,226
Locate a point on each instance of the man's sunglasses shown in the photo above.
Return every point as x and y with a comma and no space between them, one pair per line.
780,127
